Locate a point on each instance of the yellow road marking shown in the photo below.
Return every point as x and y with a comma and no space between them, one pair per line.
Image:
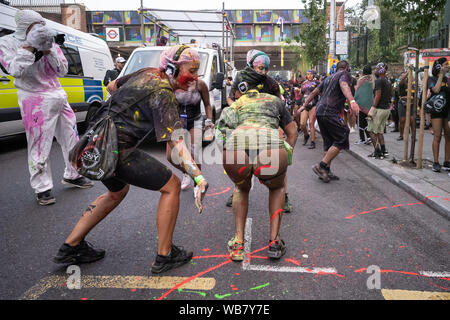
414,295
118,282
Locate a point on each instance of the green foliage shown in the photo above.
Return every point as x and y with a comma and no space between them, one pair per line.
416,15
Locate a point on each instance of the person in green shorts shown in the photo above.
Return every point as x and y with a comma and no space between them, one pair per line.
380,111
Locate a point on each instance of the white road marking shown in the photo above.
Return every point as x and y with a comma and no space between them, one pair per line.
247,266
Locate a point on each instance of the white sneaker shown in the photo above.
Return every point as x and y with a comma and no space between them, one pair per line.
186,183
195,192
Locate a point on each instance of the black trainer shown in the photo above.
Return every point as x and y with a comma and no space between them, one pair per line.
332,176
306,138
177,257
436,167
84,252
81,182
230,201
312,145
277,249
287,208
45,198
321,173
446,166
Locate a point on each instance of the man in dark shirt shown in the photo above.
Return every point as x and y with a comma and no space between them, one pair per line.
335,90
380,111
112,74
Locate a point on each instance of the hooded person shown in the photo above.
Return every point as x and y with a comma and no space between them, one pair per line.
248,130
256,70
257,67
32,57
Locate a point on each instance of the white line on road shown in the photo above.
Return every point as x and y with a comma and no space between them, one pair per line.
247,266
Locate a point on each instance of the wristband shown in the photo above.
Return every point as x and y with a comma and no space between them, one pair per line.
198,179
352,101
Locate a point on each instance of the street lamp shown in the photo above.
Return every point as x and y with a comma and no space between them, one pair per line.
280,21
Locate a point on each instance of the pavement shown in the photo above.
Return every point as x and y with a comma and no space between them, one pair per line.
432,188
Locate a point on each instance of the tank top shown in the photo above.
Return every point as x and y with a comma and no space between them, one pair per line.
189,101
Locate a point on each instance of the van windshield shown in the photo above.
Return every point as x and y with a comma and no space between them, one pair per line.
145,59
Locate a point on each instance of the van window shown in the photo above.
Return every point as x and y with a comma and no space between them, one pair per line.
150,59
73,59
4,32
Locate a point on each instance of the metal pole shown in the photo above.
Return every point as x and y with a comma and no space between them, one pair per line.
142,23
422,118
332,29
223,25
408,115
415,104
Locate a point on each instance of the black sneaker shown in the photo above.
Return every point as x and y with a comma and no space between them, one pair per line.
312,145
45,198
230,201
277,249
84,252
177,257
81,182
332,176
305,141
400,138
321,173
446,166
436,167
379,154
287,205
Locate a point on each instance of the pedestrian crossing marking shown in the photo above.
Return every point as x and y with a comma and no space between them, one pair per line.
414,295
119,282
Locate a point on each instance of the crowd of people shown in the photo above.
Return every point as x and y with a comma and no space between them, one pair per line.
257,132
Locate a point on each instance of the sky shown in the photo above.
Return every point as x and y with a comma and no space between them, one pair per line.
101,5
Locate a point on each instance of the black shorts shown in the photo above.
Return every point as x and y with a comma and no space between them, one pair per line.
139,169
334,132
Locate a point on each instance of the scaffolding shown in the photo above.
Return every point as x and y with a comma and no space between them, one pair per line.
205,26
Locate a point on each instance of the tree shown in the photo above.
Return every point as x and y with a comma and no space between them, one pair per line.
417,16
313,45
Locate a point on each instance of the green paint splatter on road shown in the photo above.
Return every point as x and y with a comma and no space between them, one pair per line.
203,294
222,296
261,286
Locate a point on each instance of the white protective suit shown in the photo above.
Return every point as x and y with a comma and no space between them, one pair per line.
43,103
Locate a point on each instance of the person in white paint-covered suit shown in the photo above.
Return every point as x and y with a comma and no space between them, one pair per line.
33,58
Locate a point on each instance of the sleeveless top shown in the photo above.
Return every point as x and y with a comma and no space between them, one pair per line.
189,101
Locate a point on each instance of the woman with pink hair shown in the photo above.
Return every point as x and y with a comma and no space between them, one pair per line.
144,104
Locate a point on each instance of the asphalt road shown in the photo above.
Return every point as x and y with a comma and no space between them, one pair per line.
337,233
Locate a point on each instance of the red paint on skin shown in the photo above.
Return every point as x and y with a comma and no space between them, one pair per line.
257,171
241,170
276,213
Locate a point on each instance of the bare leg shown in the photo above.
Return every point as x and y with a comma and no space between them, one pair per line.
167,213
437,128
95,213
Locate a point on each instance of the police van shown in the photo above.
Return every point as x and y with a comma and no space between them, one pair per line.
211,71
88,57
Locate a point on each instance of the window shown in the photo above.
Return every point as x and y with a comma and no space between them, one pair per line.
73,59
4,32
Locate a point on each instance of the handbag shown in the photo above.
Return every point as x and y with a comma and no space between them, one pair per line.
435,104
95,155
